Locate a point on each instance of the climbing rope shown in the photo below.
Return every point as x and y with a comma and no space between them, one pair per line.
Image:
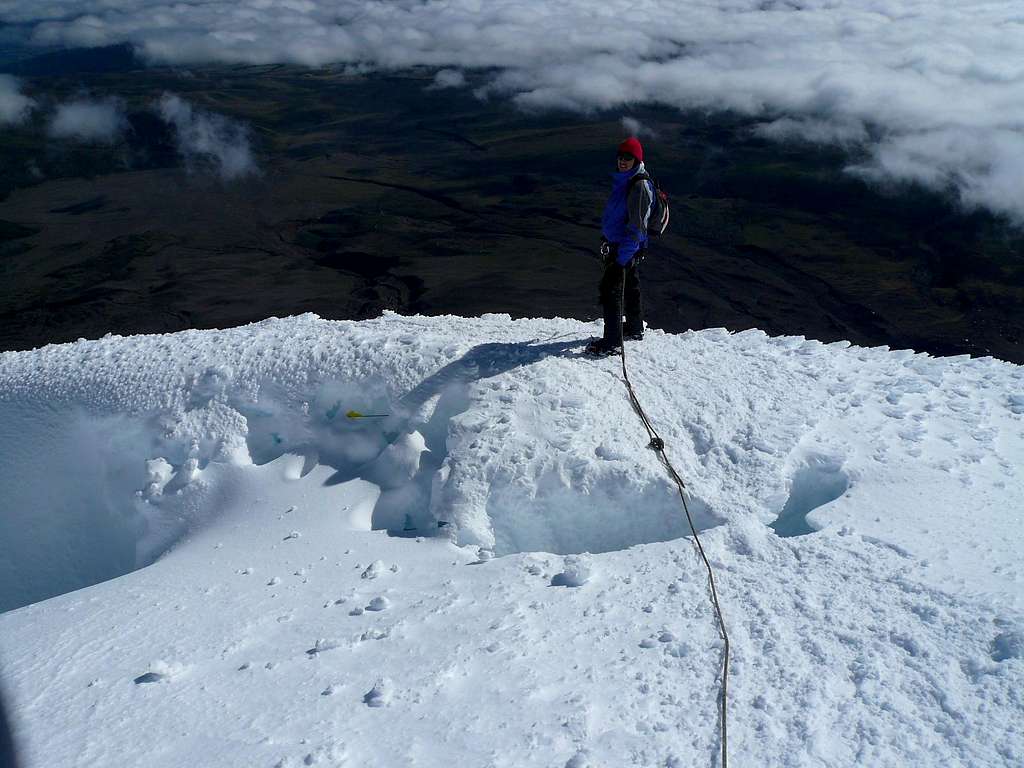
658,445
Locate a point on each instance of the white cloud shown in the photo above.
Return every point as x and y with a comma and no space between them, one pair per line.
14,105
908,78
207,139
634,127
982,167
448,78
815,131
89,121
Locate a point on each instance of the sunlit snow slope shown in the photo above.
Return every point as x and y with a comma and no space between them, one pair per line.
862,508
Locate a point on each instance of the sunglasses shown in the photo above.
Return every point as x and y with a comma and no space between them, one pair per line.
626,158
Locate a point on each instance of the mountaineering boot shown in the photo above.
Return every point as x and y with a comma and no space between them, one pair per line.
635,336
602,348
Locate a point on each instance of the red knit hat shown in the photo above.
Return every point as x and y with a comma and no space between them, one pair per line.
631,146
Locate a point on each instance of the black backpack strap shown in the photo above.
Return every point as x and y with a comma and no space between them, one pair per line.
642,176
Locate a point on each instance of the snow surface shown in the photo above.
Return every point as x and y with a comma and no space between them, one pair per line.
537,601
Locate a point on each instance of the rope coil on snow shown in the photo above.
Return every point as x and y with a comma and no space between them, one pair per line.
658,445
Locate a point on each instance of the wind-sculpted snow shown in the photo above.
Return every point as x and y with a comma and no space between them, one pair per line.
495,431
276,624
922,90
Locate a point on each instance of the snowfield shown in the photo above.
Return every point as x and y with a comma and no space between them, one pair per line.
206,561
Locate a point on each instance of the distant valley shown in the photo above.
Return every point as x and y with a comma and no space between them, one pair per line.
380,192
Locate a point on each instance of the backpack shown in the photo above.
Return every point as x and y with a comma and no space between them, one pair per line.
658,221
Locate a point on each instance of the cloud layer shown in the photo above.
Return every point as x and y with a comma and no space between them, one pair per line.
15,106
930,90
89,121
208,140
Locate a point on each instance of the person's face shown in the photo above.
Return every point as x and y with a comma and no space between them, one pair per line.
626,162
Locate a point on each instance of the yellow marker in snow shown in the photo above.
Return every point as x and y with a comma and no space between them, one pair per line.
358,415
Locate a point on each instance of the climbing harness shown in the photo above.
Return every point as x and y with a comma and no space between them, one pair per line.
658,445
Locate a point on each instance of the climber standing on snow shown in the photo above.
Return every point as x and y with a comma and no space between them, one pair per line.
624,245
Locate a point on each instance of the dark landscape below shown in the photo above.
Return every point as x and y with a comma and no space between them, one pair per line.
377,193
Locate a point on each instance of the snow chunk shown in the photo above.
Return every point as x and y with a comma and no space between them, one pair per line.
1008,645
159,473
577,572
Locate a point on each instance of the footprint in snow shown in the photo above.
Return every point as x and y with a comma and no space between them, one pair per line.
160,671
151,677
678,650
483,556
379,695
330,754
323,644
378,604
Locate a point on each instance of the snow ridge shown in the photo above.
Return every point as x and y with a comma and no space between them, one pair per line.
537,588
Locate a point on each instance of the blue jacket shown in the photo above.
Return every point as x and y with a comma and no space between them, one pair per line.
624,223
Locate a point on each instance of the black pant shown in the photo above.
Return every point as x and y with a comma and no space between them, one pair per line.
612,299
